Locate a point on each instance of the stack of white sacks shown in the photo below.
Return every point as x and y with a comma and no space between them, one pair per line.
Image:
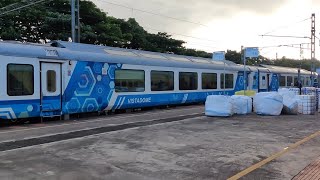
224,106
268,103
218,105
290,101
308,101
241,104
307,104
296,91
286,101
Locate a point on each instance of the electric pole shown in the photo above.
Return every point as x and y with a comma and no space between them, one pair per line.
75,20
313,37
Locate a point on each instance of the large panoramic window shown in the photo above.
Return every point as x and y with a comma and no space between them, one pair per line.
289,80
228,82
295,80
282,81
188,81
129,80
20,80
303,80
162,81
209,81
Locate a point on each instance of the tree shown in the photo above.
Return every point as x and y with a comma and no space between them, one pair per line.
233,56
52,21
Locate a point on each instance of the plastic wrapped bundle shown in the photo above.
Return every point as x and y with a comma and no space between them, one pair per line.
218,105
318,98
307,104
296,91
290,101
241,104
309,91
268,103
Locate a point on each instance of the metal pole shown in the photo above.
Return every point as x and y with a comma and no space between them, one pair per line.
78,21
75,21
299,71
313,35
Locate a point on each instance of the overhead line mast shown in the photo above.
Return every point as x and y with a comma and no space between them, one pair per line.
75,18
18,6
313,45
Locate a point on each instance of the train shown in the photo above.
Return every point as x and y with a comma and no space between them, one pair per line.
63,78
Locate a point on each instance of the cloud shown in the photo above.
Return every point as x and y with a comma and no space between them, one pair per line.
200,11
197,10
222,16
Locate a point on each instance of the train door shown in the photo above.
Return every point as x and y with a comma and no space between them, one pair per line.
254,81
51,83
263,86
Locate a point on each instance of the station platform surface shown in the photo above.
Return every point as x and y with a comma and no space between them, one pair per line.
25,131
193,147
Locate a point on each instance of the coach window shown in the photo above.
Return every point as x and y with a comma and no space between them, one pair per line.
228,82
289,80
307,82
303,80
188,80
295,80
209,81
129,80
162,80
20,80
282,81
51,81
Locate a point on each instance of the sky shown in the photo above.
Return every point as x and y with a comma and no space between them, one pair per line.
219,25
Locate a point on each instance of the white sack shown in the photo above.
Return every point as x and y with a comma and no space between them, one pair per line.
218,105
241,104
268,103
290,102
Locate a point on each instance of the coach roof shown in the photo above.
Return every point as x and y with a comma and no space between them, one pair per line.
85,52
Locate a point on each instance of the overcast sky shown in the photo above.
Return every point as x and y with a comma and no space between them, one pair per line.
226,24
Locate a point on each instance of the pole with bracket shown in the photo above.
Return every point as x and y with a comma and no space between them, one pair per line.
75,20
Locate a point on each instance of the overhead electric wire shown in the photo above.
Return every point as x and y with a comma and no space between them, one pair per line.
281,45
22,7
285,36
168,17
153,13
286,26
173,33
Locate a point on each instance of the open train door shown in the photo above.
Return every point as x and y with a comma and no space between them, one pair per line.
51,93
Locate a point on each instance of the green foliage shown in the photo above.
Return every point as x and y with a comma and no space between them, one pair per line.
304,64
52,21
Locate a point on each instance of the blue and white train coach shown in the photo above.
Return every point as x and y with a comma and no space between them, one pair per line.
67,78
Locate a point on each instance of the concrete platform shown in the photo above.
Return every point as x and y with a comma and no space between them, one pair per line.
25,131
194,148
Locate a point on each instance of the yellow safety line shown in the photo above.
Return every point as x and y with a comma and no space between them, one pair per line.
272,157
